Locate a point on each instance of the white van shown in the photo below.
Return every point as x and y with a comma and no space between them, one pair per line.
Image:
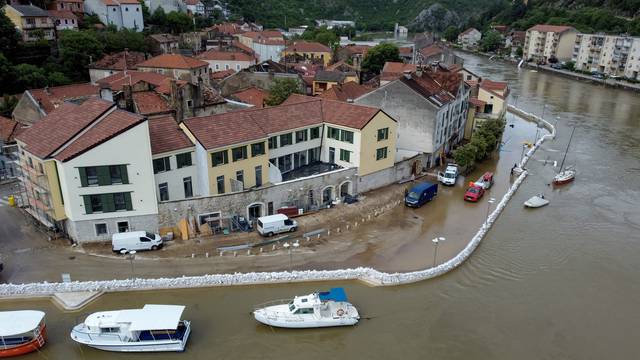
135,240
275,224
450,175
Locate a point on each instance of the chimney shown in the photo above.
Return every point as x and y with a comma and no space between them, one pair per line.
176,101
105,92
407,74
128,97
419,70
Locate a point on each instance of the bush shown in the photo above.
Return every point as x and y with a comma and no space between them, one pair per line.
483,142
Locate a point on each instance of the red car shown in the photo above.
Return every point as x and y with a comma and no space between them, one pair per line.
474,193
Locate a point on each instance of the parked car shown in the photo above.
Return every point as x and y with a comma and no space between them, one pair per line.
275,224
597,75
135,240
420,194
485,181
474,193
449,176
557,66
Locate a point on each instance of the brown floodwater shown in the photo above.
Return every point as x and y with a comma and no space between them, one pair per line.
559,282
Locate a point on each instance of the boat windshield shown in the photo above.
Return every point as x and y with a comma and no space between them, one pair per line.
413,195
291,306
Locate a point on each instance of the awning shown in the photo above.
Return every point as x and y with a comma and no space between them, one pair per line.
152,317
19,322
335,294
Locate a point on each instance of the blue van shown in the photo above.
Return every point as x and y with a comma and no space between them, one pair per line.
420,194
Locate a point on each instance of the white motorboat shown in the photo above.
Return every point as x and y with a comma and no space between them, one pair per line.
150,329
321,309
536,201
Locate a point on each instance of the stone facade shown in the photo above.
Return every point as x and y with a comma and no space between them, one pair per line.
85,231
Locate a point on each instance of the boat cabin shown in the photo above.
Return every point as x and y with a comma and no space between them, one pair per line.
21,332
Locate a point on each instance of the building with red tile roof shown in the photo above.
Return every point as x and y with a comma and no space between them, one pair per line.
308,51
252,95
114,62
166,136
180,67
150,103
37,103
226,60
346,92
93,166
394,70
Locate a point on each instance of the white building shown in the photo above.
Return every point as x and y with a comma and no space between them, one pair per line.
543,42
87,170
227,60
64,19
195,7
470,38
609,54
121,13
268,49
330,24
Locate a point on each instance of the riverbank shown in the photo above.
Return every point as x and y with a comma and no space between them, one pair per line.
616,84
366,275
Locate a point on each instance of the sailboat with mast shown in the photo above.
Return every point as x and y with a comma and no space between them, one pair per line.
566,175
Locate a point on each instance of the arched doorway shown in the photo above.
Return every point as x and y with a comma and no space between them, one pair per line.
345,189
327,195
255,210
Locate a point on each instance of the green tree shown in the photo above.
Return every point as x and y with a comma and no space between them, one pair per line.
7,76
77,50
491,41
451,33
30,76
570,65
179,22
158,18
7,105
9,36
465,155
117,40
281,90
57,78
378,55
519,51
145,11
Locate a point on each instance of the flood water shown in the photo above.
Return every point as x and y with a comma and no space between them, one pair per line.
553,283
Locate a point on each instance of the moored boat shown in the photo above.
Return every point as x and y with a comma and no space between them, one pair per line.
153,328
565,175
21,332
320,309
536,201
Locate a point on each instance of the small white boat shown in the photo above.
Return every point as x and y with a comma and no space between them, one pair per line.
536,201
566,176
150,329
321,309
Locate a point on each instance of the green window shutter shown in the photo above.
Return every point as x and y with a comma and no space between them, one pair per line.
83,177
104,178
127,200
125,176
87,202
108,205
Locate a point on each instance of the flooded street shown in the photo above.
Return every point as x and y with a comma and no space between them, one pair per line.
559,282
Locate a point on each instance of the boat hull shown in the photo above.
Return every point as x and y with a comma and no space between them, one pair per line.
307,324
25,348
563,181
116,345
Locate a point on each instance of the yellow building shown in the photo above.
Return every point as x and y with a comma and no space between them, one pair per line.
494,95
251,148
325,80
32,22
311,51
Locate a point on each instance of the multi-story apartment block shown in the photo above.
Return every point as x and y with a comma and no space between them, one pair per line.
543,42
87,171
246,149
470,38
121,13
617,55
32,22
75,6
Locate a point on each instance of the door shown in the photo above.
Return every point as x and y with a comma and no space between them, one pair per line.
144,243
332,155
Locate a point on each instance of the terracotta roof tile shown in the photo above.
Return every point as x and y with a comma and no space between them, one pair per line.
305,46
216,55
357,49
394,70
468,31
164,38
115,61
476,102
165,86
550,28
150,103
439,86
225,129
118,80
218,75
430,51
53,97
267,34
406,50
252,95
173,61
226,28
345,92
57,128
167,136
62,14
112,125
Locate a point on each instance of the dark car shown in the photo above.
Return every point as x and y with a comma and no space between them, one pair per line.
557,66
597,75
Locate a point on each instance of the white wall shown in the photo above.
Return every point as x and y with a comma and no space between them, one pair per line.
132,16
337,144
174,177
131,148
202,169
267,52
231,65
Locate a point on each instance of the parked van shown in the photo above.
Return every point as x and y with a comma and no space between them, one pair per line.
421,194
135,240
449,176
275,224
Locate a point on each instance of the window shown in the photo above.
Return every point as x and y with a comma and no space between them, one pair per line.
126,9
333,133
220,183
381,153
257,149
273,142
96,203
161,165
164,191
137,9
189,104
119,201
299,159
114,9
345,155
183,160
284,163
383,134
188,187
116,174
40,168
226,66
258,170
101,229
92,175
240,176
220,158
239,153
286,139
217,66
332,155
315,132
123,226
301,135
237,67
314,154
346,136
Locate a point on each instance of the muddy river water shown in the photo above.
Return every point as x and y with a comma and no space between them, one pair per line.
555,283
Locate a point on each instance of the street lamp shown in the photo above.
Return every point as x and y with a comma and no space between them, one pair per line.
132,256
491,201
435,253
288,246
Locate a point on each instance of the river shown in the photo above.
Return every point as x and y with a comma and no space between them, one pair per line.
553,283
